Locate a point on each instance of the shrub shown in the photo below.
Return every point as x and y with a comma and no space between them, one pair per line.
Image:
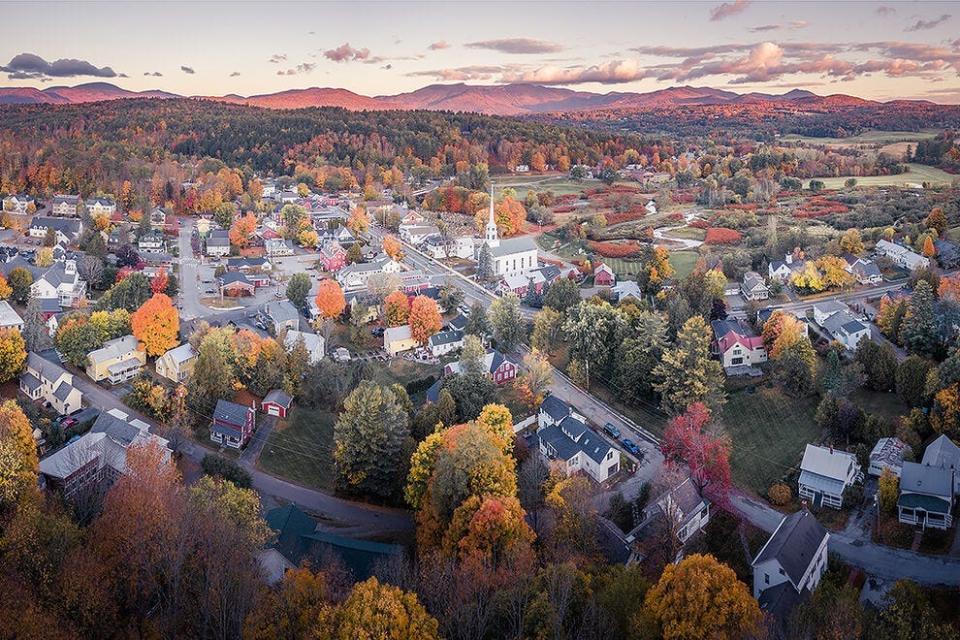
214,465
722,235
628,249
779,494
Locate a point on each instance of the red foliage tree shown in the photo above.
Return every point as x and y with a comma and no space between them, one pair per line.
707,456
722,235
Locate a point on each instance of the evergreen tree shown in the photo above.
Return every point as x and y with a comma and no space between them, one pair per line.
485,264
507,322
477,323
919,331
35,332
686,373
370,437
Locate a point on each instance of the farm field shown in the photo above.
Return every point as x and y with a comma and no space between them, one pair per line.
867,138
301,449
559,184
769,431
918,174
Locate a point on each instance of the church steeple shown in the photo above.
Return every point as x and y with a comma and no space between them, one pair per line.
490,236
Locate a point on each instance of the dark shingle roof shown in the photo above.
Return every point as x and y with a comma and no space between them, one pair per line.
564,447
555,408
230,412
280,397
794,544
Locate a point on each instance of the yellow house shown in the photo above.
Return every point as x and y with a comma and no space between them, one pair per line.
118,360
398,339
177,363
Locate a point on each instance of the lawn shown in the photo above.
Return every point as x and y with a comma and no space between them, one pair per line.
768,432
398,370
884,405
683,263
558,184
300,449
918,174
865,138
687,233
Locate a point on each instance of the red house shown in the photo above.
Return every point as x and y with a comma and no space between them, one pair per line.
333,257
603,276
500,369
276,403
233,424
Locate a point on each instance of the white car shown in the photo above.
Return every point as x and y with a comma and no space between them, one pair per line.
340,354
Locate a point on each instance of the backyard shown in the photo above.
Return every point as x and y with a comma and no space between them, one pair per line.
300,449
768,433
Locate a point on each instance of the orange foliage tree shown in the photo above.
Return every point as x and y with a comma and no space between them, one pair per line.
5,289
424,319
949,288
392,247
241,232
396,309
156,324
330,299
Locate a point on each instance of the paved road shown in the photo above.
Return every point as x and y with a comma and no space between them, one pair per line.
356,518
875,559
598,412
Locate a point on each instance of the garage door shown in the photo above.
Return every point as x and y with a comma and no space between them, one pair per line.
273,410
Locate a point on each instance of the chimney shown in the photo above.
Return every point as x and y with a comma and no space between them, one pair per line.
70,267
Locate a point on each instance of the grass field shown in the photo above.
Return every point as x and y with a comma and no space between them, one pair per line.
885,405
918,174
683,262
867,138
768,432
687,233
402,371
301,449
559,184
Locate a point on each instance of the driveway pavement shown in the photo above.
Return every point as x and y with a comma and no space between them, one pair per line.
877,560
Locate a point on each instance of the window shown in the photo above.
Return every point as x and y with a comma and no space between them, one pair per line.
766,578
782,572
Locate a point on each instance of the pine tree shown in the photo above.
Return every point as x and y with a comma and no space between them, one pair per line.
34,329
485,264
686,373
919,331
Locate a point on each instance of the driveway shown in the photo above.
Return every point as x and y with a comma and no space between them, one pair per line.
875,559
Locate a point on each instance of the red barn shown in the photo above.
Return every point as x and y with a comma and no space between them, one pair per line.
603,276
276,403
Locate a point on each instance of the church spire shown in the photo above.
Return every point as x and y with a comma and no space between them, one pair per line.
490,236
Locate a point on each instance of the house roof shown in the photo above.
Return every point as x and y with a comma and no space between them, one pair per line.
65,199
889,451
554,407
311,341
278,397
926,502
219,238
113,349
67,460
281,311
511,246
30,381
8,317
626,288
830,306
560,442
395,334
829,463
574,427
733,331
63,390
234,277
794,544
459,322
446,337
66,226
942,452
181,354
926,480
594,446
684,497
230,412
752,280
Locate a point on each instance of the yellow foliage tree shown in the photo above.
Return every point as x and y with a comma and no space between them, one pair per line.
12,353
396,309
5,289
358,222
424,319
156,324
18,454
308,238
392,247
383,612
698,598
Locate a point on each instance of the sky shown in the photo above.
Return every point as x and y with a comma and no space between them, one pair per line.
876,50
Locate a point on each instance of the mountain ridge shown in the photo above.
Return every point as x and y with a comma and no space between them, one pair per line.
505,100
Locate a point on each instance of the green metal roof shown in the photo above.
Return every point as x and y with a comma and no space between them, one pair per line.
927,503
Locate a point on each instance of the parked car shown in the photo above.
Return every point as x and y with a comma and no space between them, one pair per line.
377,332
612,431
631,446
340,354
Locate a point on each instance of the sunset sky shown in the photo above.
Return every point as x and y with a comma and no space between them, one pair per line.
875,50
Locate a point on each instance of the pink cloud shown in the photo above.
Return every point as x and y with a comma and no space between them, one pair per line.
346,53
728,9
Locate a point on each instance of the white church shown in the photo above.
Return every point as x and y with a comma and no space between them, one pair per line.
512,256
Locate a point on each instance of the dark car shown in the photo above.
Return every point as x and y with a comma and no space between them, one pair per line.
612,431
631,446
377,332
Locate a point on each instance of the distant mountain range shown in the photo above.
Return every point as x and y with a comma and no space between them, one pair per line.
507,100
